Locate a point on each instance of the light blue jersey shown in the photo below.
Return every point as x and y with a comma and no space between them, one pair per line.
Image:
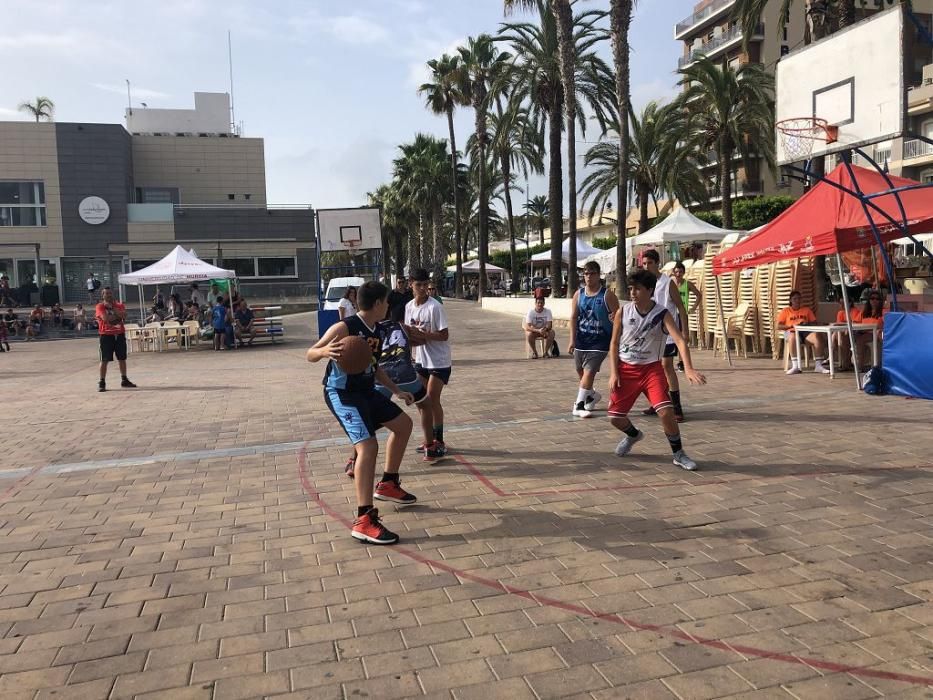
594,326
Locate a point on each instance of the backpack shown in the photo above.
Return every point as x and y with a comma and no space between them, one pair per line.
874,382
96,284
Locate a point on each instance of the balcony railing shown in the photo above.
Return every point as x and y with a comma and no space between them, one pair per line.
915,148
715,44
703,14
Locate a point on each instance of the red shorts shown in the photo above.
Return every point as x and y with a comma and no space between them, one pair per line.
635,380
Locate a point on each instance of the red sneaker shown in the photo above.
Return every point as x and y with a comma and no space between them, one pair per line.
390,491
368,528
431,454
350,466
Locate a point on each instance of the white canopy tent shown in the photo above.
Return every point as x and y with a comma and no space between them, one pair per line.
584,250
178,266
472,267
679,227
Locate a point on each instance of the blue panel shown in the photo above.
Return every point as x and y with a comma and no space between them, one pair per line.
908,354
326,319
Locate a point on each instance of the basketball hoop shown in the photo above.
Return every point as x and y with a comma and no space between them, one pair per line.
799,134
354,247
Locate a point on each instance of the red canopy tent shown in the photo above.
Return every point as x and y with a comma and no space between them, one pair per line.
827,220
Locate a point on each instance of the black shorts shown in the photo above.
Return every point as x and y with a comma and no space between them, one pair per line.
443,374
111,345
360,414
670,350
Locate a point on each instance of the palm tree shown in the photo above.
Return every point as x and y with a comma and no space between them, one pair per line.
536,209
484,64
824,17
536,77
449,89
396,219
728,110
661,162
42,108
620,19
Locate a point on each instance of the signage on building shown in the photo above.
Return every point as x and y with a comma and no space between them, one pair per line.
93,210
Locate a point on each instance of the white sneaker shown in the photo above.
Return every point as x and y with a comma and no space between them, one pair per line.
626,444
820,368
793,370
581,413
683,461
592,401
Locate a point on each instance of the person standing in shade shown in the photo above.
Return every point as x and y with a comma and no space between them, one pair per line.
398,298
667,296
111,315
92,285
590,333
685,288
426,325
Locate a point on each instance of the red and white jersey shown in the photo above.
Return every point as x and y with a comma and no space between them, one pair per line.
643,336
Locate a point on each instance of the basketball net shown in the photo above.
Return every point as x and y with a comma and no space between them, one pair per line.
799,134
354,248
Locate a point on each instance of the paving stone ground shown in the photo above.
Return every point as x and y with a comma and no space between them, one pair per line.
188,539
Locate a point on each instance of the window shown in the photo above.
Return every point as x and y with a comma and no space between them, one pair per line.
22,204
157,195
277,267
231,196
926,177
247,195
244,267
140,264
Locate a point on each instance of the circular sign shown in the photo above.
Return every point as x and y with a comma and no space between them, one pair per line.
93,210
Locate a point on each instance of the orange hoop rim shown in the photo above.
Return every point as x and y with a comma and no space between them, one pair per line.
808,128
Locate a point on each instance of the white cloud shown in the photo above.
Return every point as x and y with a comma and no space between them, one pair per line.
138,92
660,90
418,71
355,29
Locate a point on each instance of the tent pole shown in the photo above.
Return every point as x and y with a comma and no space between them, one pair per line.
722,320
142,309
845,301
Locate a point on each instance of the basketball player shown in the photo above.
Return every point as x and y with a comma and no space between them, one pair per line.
590,333
667,296
639,335
426,325
361,411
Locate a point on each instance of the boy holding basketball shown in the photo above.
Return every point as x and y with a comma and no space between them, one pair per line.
361,410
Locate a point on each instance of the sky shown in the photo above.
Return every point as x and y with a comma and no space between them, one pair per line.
330,86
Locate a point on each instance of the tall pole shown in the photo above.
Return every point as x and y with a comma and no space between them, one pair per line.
230,64
129,99
845,301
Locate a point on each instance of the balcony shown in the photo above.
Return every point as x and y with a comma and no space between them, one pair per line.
915,148
150,213
719,43
744,188
714,9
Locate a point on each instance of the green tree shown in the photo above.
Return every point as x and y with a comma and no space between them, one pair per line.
484,65
536,209
728,110
42,108
620,21
449,88
536,77
661,162
824,17
396,219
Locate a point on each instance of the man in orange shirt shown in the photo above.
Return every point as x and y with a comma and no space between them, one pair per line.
110,316
793,316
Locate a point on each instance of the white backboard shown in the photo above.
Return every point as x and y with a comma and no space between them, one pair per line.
337,227
854,79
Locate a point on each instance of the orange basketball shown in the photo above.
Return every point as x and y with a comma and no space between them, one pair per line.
355,354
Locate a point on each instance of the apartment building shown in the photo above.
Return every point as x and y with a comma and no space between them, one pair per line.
77,198
713,31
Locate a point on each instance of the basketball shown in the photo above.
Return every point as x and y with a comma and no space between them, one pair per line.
355,355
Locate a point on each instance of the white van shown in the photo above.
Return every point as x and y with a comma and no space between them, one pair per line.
336,288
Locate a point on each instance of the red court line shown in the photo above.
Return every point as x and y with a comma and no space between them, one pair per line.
740,649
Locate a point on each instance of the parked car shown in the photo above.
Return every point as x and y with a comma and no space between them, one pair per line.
336,288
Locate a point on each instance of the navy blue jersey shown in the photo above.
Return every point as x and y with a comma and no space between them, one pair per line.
395,351
365,381
594,326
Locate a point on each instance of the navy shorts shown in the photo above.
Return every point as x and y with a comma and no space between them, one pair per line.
442,374
360,414
112,345
415,388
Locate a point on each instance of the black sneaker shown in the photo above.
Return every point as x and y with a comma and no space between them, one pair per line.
649,411
101,385
127,384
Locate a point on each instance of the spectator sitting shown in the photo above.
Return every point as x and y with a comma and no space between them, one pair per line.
58,314
192,312
539,323
347,306
244,318
841,340
795,315
155,315
175,308
158,301
873,313
80,318
34,327
12,322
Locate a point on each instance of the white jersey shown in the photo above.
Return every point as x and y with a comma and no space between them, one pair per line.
662,297
643,337
429,316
